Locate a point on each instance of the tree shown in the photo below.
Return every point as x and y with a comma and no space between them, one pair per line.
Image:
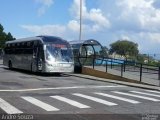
4,36
9,37
106,50
124,48
1,28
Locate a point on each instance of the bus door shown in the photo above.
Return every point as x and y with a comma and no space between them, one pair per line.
38,57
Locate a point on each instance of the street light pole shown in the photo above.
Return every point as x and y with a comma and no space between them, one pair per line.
80,31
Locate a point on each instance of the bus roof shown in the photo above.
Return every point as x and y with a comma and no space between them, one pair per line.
47,39
41,38
81,42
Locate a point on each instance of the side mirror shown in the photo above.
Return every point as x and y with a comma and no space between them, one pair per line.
40,60
44,47
34,55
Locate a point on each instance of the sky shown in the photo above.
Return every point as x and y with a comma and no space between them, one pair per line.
103,20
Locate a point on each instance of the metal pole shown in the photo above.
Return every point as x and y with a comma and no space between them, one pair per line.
122,70
80,31
159,75
111,63
141,73
93,62
106,65
124,66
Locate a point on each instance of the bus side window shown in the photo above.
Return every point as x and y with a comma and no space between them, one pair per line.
41,51
34,51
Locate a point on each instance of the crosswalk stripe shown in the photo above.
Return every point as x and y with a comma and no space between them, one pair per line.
145,93
71,102
138,96
8,108
95,99
40,104
152,91
119,98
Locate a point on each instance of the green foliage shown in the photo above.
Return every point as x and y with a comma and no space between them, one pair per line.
124,48
150,60
141,58
106,50
4,36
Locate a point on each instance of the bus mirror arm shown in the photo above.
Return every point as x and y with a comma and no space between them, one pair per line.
40,59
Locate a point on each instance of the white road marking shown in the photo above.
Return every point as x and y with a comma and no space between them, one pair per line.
61,88
8,108
40,104
71,102
153,91
138,96
145,93
95,99
119,98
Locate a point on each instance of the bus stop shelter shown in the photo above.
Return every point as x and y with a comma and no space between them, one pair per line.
87,53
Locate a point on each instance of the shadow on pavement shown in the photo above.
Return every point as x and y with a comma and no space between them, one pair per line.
37,73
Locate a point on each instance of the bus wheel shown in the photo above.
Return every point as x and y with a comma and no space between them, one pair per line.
10,65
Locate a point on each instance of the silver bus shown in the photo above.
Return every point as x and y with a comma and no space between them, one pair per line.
44,54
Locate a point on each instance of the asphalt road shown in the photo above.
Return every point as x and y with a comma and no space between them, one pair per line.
25,95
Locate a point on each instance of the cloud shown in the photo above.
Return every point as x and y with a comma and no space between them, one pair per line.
110,20
136,19
132,15
45,29
95,16
74,25
141,12
45,4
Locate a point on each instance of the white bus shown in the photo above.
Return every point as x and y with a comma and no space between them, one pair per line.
44,54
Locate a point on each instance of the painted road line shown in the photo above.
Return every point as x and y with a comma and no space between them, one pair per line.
109,86
153,91
8,108
61,88
95,99
149,94
138,96
119,98
71,102
40,104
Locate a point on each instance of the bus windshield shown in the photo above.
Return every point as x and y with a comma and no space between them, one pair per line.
59,53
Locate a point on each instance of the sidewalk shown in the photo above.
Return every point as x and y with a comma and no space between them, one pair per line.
146,77
150,87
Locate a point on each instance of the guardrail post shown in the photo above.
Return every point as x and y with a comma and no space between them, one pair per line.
159,73
93,62
141,73
111,63
106,65
122,70
124,66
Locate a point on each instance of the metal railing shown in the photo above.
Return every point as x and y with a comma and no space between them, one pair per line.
141,70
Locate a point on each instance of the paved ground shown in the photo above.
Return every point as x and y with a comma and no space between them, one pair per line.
73,98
